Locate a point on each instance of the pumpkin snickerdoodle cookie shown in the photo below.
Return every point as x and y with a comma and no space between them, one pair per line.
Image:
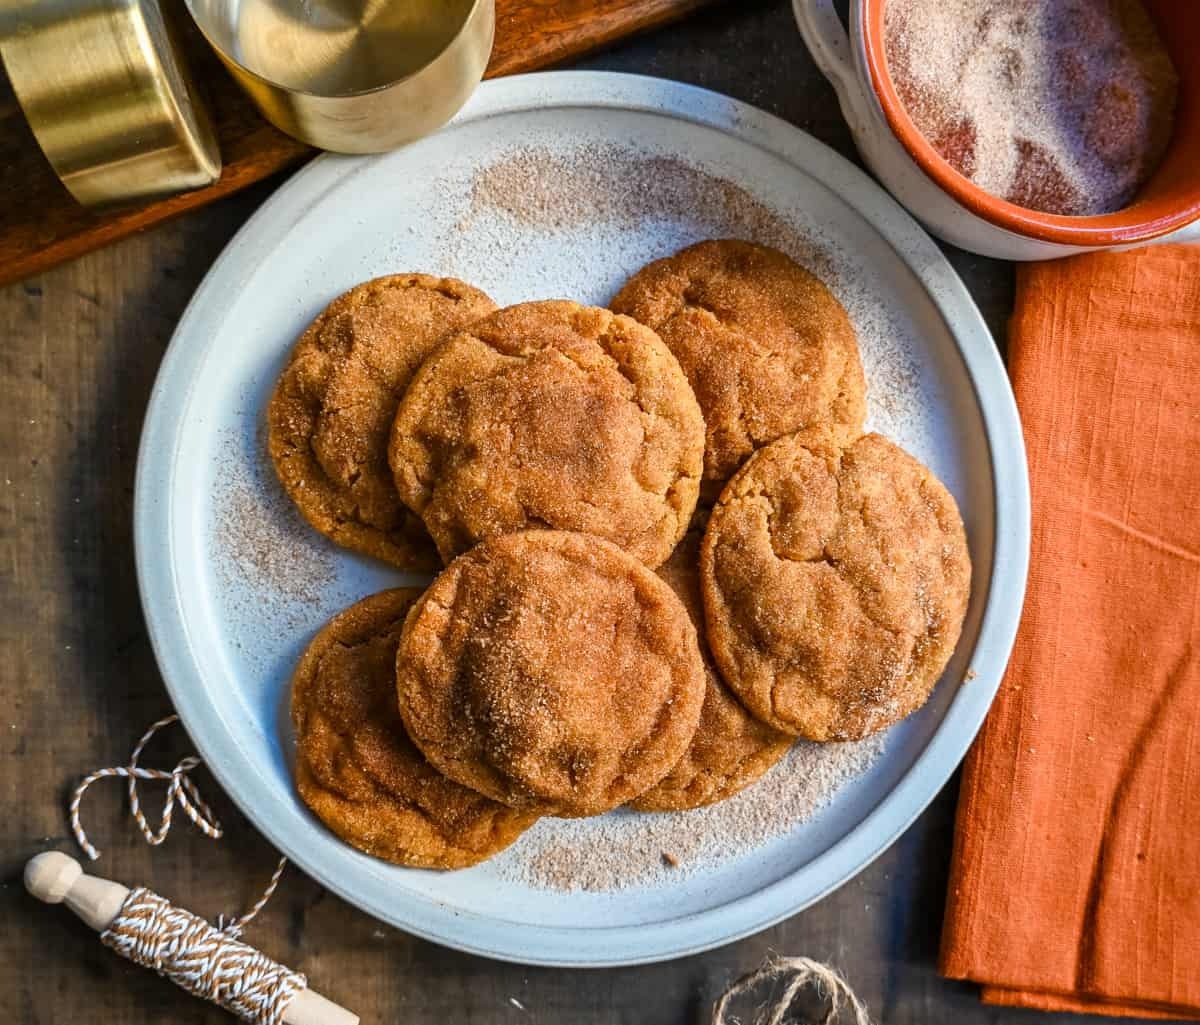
335,401
835,577
356,767
551,415
731,748
765,345
551,671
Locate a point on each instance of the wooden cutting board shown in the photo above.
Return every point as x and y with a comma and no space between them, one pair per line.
42,226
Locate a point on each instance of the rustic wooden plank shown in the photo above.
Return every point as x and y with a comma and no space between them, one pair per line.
41,226
540,33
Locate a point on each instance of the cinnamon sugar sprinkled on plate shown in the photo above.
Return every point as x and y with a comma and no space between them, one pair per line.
544,190
262,548
626,849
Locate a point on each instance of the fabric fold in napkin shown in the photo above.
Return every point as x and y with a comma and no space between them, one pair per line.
1075,882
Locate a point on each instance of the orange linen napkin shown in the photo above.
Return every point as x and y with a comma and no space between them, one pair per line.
1076,874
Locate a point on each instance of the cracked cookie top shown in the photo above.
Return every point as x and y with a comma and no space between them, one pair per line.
335,401
357,769
835,577
731,749
764,343
551,671
551,415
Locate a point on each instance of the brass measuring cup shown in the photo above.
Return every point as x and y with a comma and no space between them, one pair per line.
108,97
352,76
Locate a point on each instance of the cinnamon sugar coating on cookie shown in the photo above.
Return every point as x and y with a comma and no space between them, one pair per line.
765,345
551,415
731,748
332,410
551,671
835,576
357,769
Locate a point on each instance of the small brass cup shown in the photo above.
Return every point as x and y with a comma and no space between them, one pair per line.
107,97
352,76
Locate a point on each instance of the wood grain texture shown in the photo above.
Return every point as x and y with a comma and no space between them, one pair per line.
42,226
79,348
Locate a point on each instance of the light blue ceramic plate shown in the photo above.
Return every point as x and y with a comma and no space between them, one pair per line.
555,184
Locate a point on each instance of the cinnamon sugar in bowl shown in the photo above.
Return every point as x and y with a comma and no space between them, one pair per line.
1062,106
871,90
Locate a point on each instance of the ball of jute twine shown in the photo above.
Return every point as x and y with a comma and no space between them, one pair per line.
795,974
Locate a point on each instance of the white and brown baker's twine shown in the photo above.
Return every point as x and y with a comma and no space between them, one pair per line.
209,962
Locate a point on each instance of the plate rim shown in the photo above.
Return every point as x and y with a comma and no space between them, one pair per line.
560,946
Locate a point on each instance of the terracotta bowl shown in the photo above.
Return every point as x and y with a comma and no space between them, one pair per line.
1168,207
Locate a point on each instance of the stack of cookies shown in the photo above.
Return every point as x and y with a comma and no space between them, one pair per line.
669,549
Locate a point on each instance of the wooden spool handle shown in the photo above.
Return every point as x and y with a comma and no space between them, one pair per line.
57,878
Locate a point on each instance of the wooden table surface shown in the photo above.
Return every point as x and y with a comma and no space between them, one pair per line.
80,347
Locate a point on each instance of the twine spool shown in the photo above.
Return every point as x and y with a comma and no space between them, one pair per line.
207,961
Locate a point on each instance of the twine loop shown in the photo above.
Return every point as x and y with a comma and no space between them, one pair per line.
181,791
796,974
